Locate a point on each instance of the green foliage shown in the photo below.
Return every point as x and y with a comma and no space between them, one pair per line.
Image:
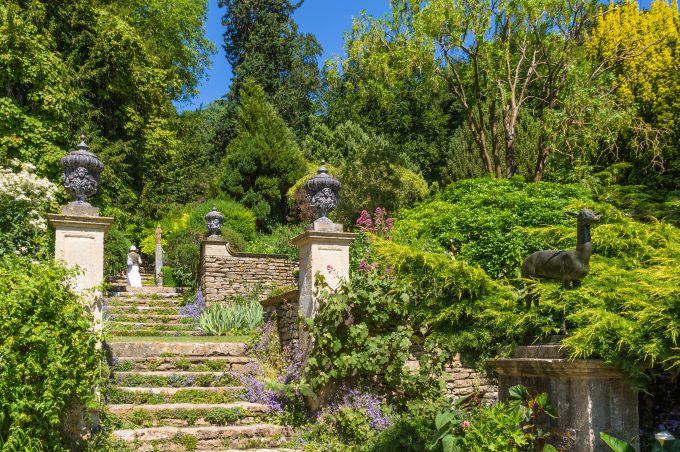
109,70
50,362
363,330
240,315
626,311
277,241
116,248
183,256
263,161
236,218
477,220
262,43
617,445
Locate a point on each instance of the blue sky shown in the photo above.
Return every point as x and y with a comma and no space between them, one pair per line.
326,19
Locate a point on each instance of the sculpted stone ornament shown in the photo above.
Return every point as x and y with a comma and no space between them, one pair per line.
570,267
323,192
213,221
80,172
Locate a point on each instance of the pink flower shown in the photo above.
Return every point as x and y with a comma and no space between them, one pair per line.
466,425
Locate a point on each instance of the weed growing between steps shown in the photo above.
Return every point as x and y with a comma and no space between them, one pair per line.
177,380
141,418
119,396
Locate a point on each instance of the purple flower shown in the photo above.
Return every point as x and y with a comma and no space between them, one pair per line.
194,309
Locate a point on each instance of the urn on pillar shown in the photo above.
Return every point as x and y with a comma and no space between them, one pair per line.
323,192
213,221
80,170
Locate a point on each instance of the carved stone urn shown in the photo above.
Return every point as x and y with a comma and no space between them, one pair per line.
323,191
213,221
80,170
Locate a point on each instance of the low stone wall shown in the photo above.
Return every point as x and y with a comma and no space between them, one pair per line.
224,273
461,381
283,310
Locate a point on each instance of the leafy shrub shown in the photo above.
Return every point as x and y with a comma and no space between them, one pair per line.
241,314
50,362
237,218
168,278
626,311
277,241
183,256
477,220
25,200
116,247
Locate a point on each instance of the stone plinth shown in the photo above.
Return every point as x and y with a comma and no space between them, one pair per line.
589,396
79,242
224,273
324,249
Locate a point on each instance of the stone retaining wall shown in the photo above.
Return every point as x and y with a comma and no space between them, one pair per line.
283,310
224,273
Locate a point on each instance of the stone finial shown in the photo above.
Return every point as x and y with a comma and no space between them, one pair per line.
80,170
213,221
159,234
323,191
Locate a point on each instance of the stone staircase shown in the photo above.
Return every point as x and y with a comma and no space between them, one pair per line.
173,390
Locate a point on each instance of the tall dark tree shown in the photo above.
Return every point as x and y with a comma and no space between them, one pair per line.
262,42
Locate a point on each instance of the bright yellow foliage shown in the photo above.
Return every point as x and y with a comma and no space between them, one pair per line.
645,46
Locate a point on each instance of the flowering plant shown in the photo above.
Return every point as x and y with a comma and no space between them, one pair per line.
25,200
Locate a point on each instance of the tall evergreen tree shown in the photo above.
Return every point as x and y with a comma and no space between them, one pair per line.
262,42
264,160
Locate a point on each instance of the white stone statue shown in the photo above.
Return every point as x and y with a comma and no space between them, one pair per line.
134,260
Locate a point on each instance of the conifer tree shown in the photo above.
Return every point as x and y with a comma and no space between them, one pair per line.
264,160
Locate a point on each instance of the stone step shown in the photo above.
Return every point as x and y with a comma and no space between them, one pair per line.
147,289
131,309
145,395
141,326
186,414
195,364
184,349
145,317
141,295
154,333
175,378
210,438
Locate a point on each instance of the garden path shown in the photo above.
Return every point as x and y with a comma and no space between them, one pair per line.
173,390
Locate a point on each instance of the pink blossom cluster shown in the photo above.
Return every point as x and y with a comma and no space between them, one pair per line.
379,223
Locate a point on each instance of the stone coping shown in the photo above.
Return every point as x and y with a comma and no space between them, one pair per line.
233,253
89,222
281,298
343,238
559,368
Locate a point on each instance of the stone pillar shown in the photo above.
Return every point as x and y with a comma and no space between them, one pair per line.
589,396
79,243
159,257
323,249
211,247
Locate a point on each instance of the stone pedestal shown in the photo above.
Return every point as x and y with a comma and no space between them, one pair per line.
589,397
324,249
79,243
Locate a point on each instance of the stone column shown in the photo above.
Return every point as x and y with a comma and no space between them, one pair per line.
79,243
159,257
323,249
589,396
211,248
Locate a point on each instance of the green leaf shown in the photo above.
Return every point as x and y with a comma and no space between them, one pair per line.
617,445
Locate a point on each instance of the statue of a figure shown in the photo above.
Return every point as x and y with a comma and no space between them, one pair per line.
570,267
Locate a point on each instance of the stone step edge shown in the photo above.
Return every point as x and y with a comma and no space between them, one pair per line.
143,349
201,433
169,373
170,390
126,408
191,359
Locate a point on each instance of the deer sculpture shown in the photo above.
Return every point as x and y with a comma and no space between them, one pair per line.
568,266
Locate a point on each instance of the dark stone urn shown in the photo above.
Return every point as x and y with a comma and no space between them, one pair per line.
213,221
323,191
80,170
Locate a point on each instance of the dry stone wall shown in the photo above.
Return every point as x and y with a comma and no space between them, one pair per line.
224,274
283,310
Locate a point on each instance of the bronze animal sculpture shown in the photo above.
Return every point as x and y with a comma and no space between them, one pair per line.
568,266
